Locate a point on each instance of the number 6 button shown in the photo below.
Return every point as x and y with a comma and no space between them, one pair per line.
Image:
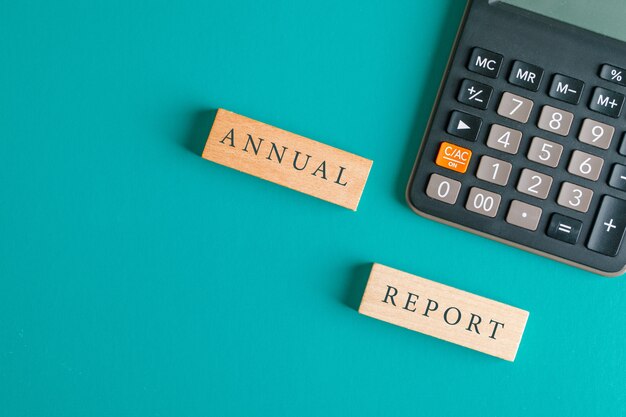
585,165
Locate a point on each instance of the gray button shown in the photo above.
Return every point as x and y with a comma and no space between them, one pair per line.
504,139
534,183
494,170
585,165
555,120
545,152
597,134
524,215
483,202
575,197
515,107
443,188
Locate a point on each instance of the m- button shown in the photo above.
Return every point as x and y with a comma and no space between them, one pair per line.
566,89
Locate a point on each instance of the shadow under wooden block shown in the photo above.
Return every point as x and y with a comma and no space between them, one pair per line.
199,128
355,285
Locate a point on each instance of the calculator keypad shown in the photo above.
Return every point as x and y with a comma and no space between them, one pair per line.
530,149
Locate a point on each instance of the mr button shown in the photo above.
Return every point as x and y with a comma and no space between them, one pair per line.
453,157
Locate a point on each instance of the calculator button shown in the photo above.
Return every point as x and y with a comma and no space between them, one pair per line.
483,202
443,188
504,139
515,107
524,215
622,149
564,228
474,94
494,170
607,102
526,75
585,165
485,63
464,125
545,152
614,74
596,134
566,89
575,197
534,183
608,231
618,177
555,120
453,157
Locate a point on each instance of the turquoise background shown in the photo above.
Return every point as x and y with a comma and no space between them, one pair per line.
138,279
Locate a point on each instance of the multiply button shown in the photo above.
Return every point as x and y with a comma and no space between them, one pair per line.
564,228
607,102
525,75
608,230
485,63
475,94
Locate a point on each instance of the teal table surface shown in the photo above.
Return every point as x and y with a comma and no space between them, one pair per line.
137,279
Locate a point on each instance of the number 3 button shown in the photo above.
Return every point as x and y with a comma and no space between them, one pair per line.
575,197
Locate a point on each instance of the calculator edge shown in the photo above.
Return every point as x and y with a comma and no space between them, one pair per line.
435,107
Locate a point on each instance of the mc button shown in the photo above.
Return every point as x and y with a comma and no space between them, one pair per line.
485,63
453,157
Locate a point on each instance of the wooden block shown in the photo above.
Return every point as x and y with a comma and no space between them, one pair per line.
287,159
443,312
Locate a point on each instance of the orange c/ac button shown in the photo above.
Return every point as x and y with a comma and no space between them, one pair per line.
453,157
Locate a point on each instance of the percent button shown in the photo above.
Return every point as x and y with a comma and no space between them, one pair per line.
613,74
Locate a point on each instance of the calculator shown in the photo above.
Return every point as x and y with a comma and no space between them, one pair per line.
526,142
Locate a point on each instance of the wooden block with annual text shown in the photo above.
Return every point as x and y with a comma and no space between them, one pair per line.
444,312
287,159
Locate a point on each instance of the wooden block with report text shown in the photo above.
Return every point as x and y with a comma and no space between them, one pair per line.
444,312
287,159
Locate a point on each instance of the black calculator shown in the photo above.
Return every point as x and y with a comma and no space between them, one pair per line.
526,143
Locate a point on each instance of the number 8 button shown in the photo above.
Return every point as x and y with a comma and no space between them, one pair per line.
555,120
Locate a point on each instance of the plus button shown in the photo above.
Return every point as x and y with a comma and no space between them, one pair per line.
609,225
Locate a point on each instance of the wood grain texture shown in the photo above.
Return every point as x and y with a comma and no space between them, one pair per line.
287,159
444,312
